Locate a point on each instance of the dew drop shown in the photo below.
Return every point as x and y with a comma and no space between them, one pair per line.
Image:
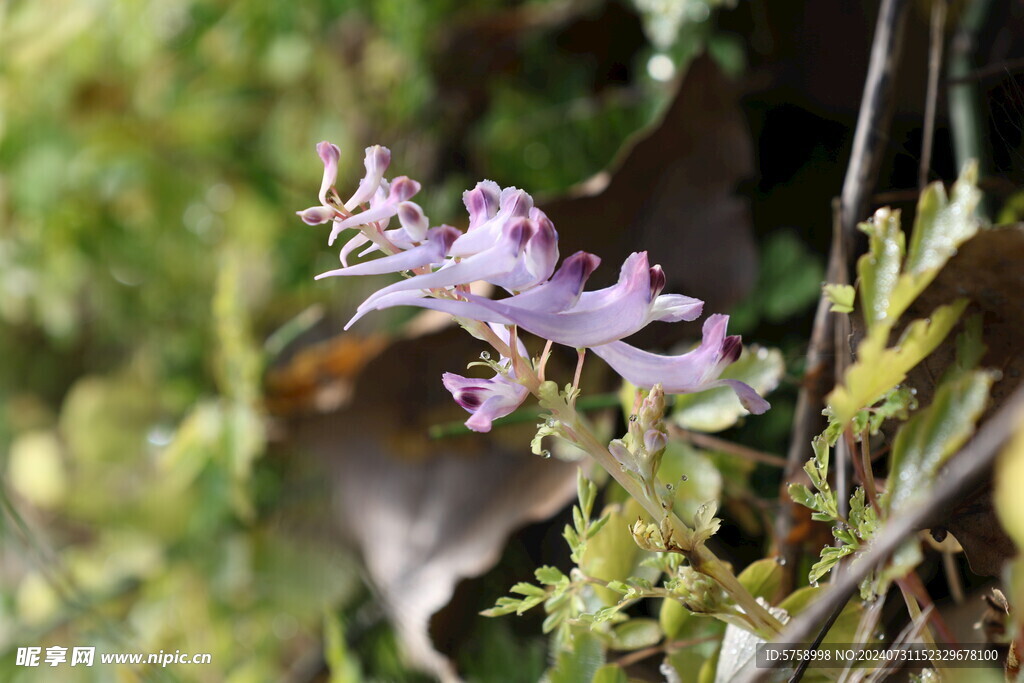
633,418
814,584
684,478
668,486
545,454
781,561
485,355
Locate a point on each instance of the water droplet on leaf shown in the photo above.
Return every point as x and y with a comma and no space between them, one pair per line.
485,355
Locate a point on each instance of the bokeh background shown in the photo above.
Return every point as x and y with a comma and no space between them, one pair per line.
156,291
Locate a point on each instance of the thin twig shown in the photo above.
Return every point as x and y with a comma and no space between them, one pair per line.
1003,68
715,444
874,116
868,145
931,99
965,471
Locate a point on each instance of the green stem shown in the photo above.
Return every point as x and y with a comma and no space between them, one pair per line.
700,557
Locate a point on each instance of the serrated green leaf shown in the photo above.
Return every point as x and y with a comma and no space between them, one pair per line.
932,435
943,224
802,495
718,409
529,603
586,492
878,269
879,368
550,575
841,297
524,588
502,607
596,527
578,521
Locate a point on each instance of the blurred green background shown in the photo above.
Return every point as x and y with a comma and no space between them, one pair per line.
151,157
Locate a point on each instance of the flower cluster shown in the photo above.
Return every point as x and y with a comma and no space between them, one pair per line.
511,244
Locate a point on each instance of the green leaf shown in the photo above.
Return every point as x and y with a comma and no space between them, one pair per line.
596,527
841,297
896,404
502,607
524,588
943,224
550,575
719,408
879,368
879,268
586,491
762,579
926,440
802,496
635,634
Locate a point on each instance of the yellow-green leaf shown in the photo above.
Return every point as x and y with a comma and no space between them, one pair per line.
879,268
879,368
926,441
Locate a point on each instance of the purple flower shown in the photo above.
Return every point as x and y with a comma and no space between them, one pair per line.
382,207
330,154
596,318
376,162
523,257
488,399
691,372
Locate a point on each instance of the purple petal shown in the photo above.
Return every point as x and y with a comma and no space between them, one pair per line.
399,191
329,154
492,265
481,202
654,440
316,215
376,162
541,253
562,290
419,298
671,308
514,204
486,399
690,372
413,221
353,244
678,374
749,398
634,267
432,251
